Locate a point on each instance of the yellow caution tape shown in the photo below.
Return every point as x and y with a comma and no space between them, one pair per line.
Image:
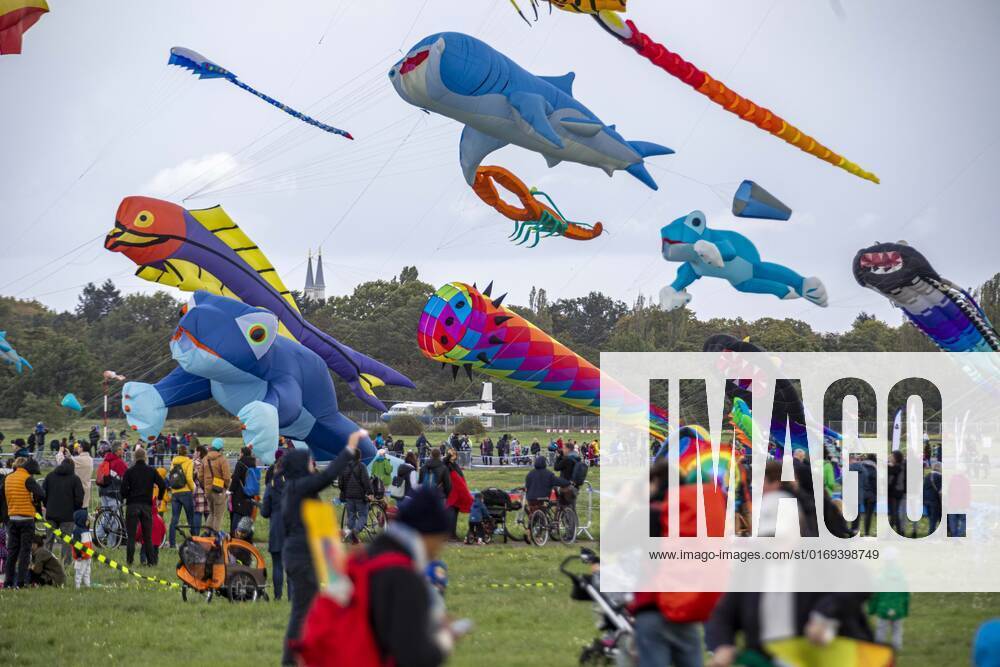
101,558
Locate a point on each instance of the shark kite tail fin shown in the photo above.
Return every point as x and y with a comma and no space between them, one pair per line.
649,149
639,171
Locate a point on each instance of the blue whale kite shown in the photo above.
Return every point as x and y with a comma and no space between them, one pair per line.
719,253
501,103
233,353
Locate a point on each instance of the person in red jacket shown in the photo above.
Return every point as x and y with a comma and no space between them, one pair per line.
109,477
459,498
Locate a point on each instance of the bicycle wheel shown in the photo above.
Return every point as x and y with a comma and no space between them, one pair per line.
514,526
242,588
376,522
538,528
109,529
566,523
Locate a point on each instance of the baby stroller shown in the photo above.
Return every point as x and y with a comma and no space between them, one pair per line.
498,502
221,565
616,645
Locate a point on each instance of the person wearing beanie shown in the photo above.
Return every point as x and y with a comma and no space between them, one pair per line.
215,479
986,644
408,616
303,482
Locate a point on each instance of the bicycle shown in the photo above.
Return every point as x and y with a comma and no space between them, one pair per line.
109,527
549,519
375,523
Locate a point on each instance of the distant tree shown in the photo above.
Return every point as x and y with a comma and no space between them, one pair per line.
409,274
405,425
97,302
469,426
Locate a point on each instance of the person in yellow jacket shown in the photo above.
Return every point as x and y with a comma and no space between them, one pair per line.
20,494
180,480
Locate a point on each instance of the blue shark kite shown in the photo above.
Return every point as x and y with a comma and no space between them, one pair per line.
500,103
10,355
233,353
724,254
206,69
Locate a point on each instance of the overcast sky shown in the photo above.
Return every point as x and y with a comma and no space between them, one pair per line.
905,88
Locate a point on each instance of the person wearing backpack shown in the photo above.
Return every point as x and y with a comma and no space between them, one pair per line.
355,493
215,480
180,479
243,488
435,474
394,616
406,480
568,464
137,493
21,495
109,476
303,482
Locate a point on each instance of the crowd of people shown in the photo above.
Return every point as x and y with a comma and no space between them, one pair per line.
425,494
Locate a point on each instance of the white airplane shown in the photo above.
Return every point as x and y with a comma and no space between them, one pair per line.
430,410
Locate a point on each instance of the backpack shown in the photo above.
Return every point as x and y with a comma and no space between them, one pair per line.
103,473
378,487
337,635
430,477
579,474
176,477
251,482
398,488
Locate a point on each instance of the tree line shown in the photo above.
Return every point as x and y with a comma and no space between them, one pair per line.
129,334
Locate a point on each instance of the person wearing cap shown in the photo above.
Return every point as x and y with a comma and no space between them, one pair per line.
215,479
408,619
303,482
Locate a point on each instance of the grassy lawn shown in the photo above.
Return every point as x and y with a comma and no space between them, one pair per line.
517,621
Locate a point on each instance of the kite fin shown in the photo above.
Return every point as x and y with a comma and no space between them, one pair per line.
551,160
649,149
475,146
534,110
563,83
582,126
219,223
639,171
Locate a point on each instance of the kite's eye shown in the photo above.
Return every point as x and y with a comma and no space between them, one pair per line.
444,340
460,305
449,321
144,219
257,334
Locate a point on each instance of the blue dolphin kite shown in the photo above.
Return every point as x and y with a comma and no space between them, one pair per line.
723,254
233,353
9,355
500,103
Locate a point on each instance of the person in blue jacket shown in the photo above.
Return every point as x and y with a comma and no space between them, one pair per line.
477,514
274,492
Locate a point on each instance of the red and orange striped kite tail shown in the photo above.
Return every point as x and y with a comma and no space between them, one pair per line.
722,95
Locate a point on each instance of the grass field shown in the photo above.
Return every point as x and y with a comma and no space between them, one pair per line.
518,621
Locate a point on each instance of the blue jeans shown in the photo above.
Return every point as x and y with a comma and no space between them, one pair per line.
278,575
661,643
181,499
357,515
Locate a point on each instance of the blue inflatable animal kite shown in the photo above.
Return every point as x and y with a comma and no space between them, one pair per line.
10,355
723,254
500,103
233,353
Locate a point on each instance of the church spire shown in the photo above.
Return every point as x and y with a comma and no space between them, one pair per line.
309,292
320,285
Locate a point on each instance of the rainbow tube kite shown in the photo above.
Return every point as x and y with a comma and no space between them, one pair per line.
466,328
